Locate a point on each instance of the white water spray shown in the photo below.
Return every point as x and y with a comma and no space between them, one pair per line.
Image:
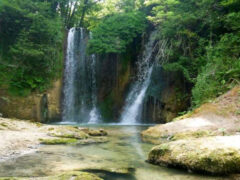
80,89
132,111
70,69
133,106
94,113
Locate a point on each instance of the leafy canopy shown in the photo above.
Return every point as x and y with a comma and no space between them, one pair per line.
31,43
114,33
203,42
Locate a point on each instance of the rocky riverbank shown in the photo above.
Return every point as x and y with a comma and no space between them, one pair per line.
206,140
19,137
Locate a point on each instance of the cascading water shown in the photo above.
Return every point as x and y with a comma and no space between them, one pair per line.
69,76
79,91
133,106
94,114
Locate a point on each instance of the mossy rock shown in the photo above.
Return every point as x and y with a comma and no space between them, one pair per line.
94,132
76,175
211,155
100,132
153,140
12,178
78,135
192,134
4,126
122,170
56,141
178,136
67,132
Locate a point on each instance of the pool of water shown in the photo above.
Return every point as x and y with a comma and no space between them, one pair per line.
123,151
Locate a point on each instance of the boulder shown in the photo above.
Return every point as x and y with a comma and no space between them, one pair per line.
213,155
94,132
67,132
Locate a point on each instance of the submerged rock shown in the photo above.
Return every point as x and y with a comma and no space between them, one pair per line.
72,135
75,175
214,155
113,173
94,132
93,140
123,170
100,132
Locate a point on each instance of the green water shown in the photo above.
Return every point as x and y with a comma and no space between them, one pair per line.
124,150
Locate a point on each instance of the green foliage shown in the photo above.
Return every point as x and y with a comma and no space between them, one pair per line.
203,42
32,43
114,33
222,71
203,39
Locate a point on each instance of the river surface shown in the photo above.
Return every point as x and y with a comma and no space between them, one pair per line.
124,150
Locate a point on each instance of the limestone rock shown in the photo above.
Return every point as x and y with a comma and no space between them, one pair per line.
214,155
94,132
67,132
92,140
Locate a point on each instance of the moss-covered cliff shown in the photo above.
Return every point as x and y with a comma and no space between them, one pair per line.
40,107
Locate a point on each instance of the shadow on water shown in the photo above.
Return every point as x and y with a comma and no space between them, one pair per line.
107,175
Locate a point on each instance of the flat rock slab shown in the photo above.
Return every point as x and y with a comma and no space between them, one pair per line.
216,118
20,137
213,155
191,126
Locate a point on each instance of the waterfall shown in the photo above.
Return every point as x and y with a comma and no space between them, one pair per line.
69,74
133,105
94,113
80,89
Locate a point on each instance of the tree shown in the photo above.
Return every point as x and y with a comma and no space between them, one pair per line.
114,33
202,42
32,41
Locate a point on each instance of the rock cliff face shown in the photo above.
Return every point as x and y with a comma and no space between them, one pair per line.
113,79
166,96
115,73
38,107
164,99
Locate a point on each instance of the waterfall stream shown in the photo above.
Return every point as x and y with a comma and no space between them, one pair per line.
94,114
69,76
133,106
80,85
79,89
